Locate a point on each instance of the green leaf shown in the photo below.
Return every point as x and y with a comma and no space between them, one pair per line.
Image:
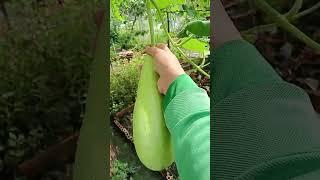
162,4
182,33
189,9
196,45
175,8
198,28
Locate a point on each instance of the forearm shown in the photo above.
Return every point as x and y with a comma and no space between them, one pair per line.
187,117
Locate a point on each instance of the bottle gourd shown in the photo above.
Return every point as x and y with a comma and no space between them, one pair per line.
150,134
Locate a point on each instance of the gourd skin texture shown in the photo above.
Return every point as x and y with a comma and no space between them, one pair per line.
150,134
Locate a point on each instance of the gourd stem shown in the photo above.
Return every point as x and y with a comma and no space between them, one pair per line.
162,22
152,37
203,59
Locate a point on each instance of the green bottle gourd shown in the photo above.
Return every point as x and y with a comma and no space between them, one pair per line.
150,135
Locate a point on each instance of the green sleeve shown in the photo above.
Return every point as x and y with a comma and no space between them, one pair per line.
263,127
187,116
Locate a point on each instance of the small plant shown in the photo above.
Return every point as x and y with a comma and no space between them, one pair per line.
123,84
121,170
44,69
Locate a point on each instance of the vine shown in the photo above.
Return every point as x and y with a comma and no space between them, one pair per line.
283,21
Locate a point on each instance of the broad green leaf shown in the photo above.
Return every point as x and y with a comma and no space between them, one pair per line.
162,4
190,10
196,45
197,27
175,8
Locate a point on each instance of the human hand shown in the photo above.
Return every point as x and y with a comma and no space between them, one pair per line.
166,65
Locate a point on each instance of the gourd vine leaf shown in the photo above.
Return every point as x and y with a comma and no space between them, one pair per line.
166,3
197,27
92,149
196,45
190,10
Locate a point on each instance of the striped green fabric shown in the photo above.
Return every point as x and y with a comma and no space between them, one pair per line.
262,126
187,116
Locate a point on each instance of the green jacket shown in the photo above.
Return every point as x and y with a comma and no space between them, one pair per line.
262,127
187,116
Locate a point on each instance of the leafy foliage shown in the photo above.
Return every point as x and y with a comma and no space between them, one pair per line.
123,84
121,170
196,46
115,5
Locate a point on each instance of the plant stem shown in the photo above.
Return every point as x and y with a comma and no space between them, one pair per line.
150,22
307,11
174,43
294,17
282,22
192,63
206,65
162,22
295,8
259,28
184,41
203,60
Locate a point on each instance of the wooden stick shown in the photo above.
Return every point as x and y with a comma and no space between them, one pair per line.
54,156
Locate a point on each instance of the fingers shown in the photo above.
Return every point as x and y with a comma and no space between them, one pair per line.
163,47
152,50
